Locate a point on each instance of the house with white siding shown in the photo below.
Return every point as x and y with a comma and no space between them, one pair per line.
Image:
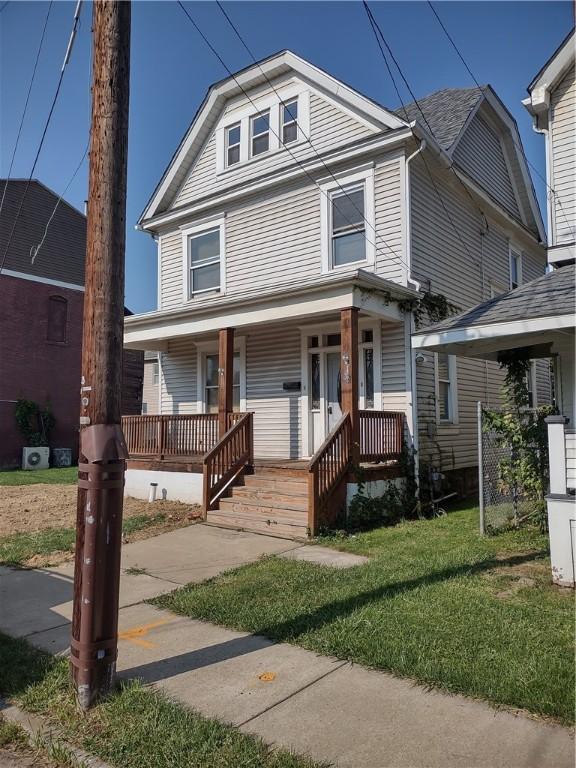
299,226
538,318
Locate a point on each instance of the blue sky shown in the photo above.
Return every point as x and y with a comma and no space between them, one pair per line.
505,44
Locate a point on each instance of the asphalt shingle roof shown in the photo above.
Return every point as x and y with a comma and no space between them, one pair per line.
63,252
446,111
550,295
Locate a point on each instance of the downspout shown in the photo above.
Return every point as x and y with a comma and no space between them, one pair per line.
407,209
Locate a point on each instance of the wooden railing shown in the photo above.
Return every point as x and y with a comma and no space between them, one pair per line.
326,470
172,435
227,459
381,435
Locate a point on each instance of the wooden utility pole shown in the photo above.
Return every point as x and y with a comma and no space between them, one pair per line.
102,448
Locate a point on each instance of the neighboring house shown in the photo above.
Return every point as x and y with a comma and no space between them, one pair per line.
288,218
539,317
41,304
151,383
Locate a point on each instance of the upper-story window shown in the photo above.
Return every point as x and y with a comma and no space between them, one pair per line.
446,388
347,220
233,134
203,247
260,133
289,117
515,268
57,319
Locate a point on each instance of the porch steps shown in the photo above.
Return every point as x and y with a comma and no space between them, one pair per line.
271,501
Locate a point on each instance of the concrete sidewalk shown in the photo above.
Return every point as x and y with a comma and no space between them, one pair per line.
332,710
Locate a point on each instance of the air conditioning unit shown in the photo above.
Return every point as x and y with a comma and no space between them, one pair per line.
35,458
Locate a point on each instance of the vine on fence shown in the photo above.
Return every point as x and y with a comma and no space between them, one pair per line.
34,423
523,431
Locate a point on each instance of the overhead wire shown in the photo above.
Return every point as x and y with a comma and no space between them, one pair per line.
294,157
551,193
24,111
45,130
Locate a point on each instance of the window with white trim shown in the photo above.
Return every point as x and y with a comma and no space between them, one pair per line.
367,362
233,135
289,121
155,373
211,383
531,385
204,262
260,133
347,220
446,388
515,268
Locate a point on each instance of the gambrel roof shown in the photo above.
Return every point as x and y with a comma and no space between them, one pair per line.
448,112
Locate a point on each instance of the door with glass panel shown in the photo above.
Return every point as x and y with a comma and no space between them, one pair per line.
211,383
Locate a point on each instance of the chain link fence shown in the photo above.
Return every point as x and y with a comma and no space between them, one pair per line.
503,504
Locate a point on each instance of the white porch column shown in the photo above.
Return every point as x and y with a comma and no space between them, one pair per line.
557,454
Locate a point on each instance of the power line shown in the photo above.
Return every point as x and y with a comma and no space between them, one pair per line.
303,132
378,32
46,125
551,192
26,102
294,157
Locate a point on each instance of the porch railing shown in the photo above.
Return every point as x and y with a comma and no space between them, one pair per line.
227,459
381,435
326,469
191,434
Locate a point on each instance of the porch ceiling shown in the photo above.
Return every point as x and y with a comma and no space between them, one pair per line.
296,301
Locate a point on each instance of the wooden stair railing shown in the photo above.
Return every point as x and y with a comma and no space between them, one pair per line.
381,435
227,459
327,469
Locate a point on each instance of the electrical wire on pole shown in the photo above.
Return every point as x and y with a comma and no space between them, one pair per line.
45,129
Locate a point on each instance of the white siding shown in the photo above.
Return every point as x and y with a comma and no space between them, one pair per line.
273,357
563,156
330,127
178,377
463,275
394,395
274,238
570,437
149,388
481,155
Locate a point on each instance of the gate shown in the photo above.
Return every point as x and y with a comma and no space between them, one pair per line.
503,504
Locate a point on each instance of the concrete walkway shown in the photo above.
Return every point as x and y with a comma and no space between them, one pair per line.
332,710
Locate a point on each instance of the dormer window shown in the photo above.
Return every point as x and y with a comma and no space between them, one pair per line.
233,145
260,132
289,118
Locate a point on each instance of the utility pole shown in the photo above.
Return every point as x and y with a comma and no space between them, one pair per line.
102,457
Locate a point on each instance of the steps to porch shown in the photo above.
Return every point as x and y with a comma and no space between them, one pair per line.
273,500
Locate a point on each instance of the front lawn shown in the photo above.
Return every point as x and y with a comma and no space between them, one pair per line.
437,603
135,727
56,475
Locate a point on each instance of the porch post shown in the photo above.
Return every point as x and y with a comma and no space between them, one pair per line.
349,375
557,453
225,377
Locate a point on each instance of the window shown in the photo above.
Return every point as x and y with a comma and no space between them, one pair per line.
144,408
332,340
57,319
515,268
531,385
260,133
446,402
233,145
348,233
315,380
289,118
211,383
205,255
155,373
368,377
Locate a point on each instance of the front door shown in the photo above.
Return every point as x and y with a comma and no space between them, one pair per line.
333,395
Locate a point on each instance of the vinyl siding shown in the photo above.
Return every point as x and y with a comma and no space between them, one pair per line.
149,389
563,138
480,154
394,395
330,127
178,377
273,238
463,275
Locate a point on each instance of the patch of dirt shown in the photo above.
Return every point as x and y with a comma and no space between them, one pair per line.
30,508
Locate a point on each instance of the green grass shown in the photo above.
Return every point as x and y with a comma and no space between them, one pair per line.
135,726
437,603
57,475
17,549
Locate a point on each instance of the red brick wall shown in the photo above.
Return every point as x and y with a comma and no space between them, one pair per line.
36,369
